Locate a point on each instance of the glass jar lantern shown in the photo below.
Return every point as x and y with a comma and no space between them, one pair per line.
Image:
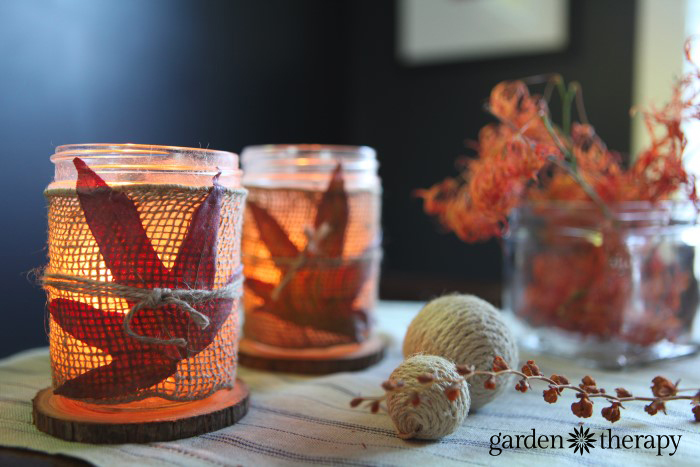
608,291
143,280
311,247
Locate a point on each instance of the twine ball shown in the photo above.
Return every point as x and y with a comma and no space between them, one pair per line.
464,329
435,416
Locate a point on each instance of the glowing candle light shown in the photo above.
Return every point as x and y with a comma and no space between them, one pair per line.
311,246
144,274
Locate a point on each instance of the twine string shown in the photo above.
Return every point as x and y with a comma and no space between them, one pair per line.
148,298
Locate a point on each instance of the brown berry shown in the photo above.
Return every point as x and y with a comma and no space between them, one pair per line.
415,399
356,401
583,408
499,364
375,407
588,381
522,386
622,392
534,369
490,382
655,407
661,387
563,380
612,413
426,378
388,385
465,370
551,395
696,412
452,392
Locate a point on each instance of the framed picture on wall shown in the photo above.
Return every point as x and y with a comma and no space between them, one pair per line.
443,31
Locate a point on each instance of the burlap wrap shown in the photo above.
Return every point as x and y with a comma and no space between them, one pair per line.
165,212
329,284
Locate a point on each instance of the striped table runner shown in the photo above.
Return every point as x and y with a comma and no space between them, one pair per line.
306,420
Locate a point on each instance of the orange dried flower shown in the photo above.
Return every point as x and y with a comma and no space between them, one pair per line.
622,392
520,158
375,407
356,401
465,370
696,413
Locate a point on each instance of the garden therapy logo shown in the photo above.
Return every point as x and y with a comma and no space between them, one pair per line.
583,440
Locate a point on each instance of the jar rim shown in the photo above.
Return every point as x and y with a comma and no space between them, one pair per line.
617,206
125,149
625,211
284,150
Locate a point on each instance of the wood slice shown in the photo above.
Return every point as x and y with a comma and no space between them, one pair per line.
320,361
70,420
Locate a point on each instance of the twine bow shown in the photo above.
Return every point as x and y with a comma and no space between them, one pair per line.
148,298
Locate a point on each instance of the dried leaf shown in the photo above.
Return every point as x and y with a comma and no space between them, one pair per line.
126,373
115,223
333,211
195,266
272,233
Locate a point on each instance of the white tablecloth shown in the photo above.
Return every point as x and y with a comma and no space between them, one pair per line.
307,420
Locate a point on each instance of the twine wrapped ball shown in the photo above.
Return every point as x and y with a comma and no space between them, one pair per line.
464,329
435,416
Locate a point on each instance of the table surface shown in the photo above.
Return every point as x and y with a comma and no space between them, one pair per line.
306,420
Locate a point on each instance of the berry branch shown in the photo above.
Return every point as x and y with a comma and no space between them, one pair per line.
662,389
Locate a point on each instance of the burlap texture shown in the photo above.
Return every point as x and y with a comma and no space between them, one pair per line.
165,212
330,281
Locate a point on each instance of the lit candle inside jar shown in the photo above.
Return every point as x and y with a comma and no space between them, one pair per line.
144,272
311,246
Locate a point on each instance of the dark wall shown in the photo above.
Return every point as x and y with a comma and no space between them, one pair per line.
418,119
225,74
219,74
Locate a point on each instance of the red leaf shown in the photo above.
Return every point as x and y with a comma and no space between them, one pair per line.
318,295
87,323
272,234
115,223
127,251
333,211
260,288
322,298
127,373
195,265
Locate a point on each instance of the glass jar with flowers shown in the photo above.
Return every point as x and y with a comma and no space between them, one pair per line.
600,253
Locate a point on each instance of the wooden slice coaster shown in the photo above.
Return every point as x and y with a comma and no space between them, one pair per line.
73,421
352,357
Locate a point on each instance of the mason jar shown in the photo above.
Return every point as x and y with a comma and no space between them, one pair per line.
311,245
609,289
132,229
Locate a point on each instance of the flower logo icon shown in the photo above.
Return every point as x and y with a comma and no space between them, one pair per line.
581,440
